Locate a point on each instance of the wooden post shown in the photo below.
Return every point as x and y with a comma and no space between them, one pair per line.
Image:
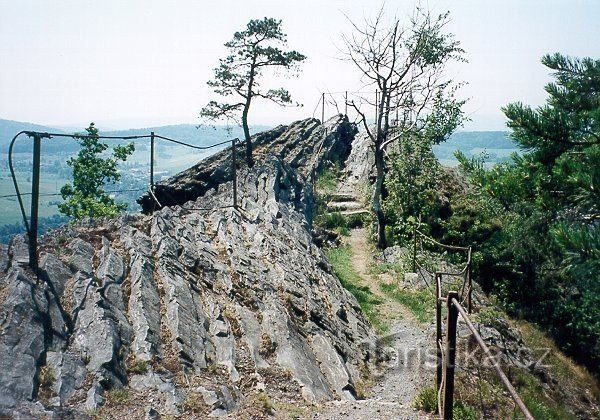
234,171
151,159
450,360
323,108
35,196
438,329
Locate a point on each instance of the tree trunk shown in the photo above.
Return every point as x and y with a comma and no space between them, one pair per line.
249,159
377,197
249,94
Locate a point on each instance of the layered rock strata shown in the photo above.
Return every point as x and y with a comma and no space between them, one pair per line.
197,308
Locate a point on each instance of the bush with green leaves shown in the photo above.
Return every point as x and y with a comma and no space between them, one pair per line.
534,221
86,197
411,185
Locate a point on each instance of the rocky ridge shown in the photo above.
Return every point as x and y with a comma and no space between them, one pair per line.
196,309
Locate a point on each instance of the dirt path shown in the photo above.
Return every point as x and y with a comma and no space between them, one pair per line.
411,368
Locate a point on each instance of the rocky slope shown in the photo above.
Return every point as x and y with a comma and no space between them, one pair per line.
196,309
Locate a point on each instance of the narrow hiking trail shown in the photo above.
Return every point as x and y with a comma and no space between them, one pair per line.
412,366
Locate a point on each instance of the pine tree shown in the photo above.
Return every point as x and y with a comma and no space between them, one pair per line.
251,52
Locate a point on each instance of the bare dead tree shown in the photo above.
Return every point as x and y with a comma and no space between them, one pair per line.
405,64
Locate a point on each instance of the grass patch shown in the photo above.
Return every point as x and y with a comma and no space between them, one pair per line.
117,396
420,302
341,261
328,179
427,401
334,221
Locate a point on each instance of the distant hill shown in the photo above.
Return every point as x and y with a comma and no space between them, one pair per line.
201,136
9,128
497,145
190,133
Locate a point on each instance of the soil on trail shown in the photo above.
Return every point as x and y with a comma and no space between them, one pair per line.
412,366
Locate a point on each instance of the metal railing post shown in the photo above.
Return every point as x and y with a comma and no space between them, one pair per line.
234,171
346,103
414,265
151,159
469,284
450,360
438,330
35,196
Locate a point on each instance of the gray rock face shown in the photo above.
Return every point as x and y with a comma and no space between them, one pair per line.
193,301
306,145
22,339
360,165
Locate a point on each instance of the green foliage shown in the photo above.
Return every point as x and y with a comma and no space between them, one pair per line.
117,396
461,411
411,185
251,52
91,171
341,261
536,399
534,221
406,65
335,221
427,400
328,180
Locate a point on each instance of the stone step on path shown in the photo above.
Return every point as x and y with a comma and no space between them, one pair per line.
346,201
343,196
344,205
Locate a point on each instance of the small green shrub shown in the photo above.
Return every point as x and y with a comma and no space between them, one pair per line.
117,396
264,402
427,400
138,367
194,404
461,411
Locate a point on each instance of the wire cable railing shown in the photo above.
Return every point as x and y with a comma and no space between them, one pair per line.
447,355
445,344
31,225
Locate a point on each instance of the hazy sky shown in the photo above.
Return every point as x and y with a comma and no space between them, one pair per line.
135,63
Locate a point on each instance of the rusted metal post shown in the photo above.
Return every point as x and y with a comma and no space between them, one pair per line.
414,265
450,360
151,159
234,171
346,103
469,283
35,196
323,108
438,329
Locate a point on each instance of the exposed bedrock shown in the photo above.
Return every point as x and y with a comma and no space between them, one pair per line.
196,299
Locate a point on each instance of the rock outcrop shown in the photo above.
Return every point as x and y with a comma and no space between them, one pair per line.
197,308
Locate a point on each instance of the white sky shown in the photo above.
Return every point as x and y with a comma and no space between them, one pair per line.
135,63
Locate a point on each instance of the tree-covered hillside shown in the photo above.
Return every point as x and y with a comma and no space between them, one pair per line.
497,146
535,221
